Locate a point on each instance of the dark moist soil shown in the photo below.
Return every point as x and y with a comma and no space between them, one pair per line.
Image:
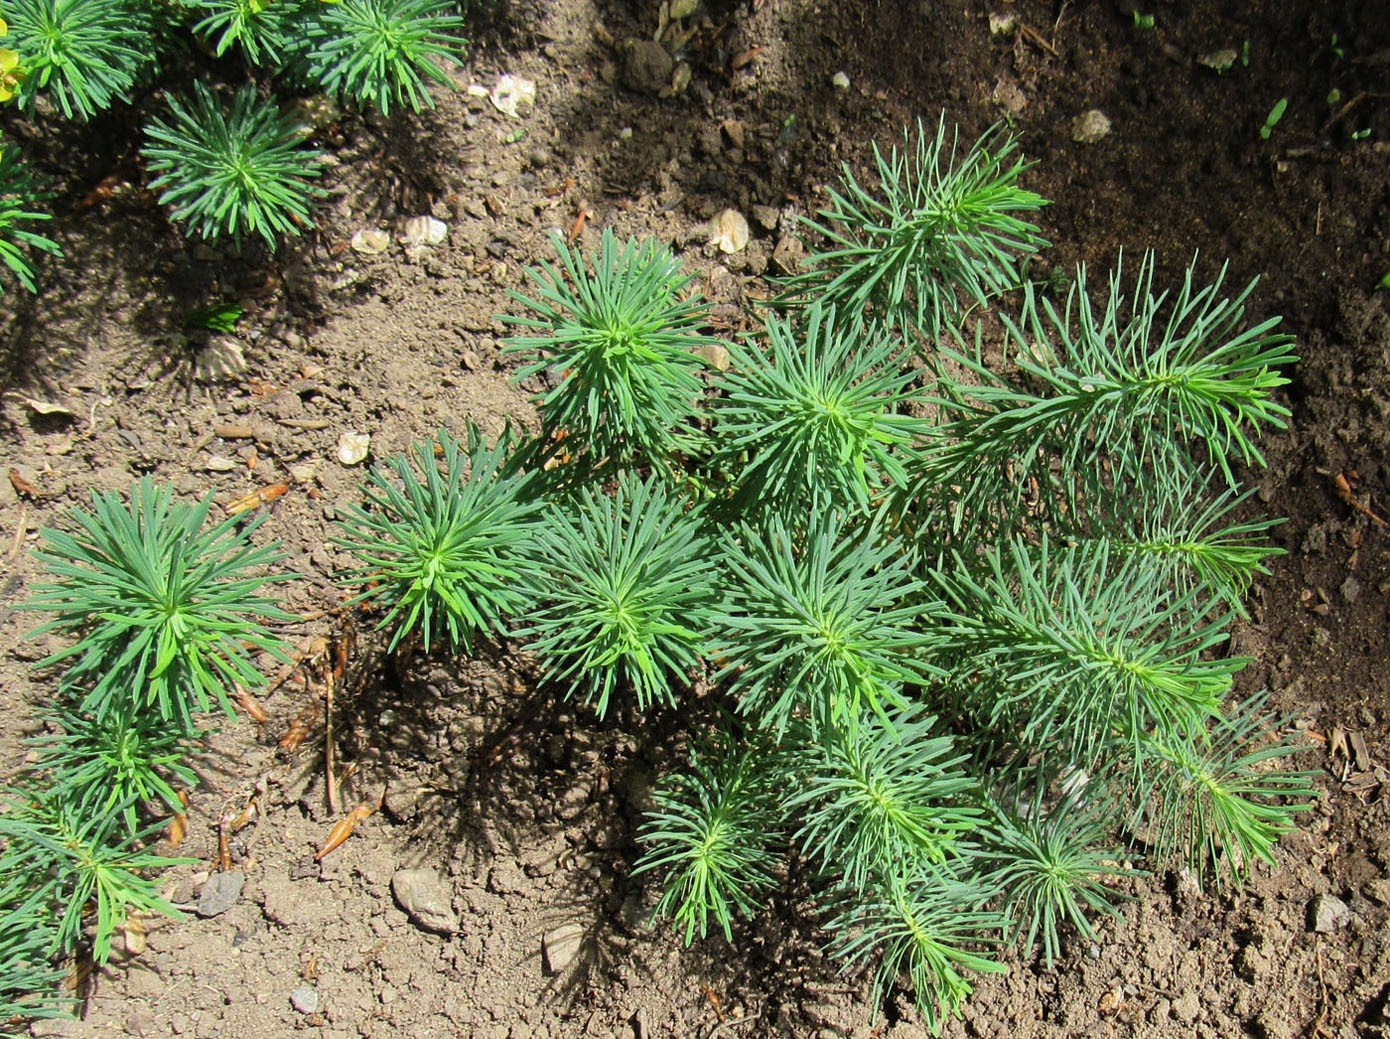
524,805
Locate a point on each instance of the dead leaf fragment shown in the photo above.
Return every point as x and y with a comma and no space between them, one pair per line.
23,487
43,407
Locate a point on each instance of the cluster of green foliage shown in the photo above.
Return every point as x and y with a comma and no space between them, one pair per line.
228,165
161,612
963,618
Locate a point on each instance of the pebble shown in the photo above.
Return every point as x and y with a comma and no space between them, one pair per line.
220,892
512,93
353,448
370,242
788,254
560,946
729,231
1090,127
767,217
1329,913
426,900
647,67
424,230
1187,1007
1351,589
1218,60
305,999
714,355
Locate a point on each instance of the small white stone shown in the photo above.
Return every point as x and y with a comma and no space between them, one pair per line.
1001,23
1090,127
221,360
512,94
354,447
560,947
840,81
729,231
370,242
424,230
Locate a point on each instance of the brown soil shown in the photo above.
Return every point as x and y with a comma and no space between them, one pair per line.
525,805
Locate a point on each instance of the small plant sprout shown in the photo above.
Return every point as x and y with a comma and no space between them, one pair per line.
446,553
619,337
1143,21
927,924
712,835
238,171
938,230
216,317
626,596
85,54
382,51
266,31
816,420
822,624
1272,120
115,766
19,193
166,611
881,793
79,868
1054,864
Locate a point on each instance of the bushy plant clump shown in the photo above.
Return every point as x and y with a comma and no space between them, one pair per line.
969,617
961,624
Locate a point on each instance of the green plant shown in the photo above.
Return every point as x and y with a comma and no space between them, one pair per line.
266,31
626,595
971,619
880,793
1069,647
446,554
712,834
28,981
927,924
939,226
216,317
86,53
113,766
1054,863
1212,796
61,862
821,626
1143,21
817,416
620,337
382,51
243,170
1272,120
19,192
1103,397
164,609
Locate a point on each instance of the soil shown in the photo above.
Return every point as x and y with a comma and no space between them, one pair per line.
523,804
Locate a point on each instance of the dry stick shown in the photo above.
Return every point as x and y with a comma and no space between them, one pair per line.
332,782
19,530
1039,39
